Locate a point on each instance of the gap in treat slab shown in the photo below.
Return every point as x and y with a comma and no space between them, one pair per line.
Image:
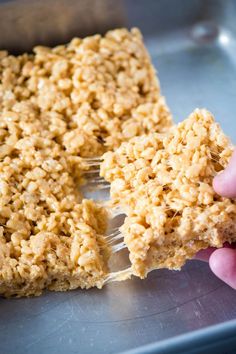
94,193
119,260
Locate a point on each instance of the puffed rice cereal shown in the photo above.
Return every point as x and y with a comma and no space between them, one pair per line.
58,105
49,237
164,184
93,93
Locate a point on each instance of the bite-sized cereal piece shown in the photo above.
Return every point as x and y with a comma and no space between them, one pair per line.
164,184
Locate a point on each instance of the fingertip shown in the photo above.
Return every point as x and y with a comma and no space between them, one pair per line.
218,184
223,264
224,182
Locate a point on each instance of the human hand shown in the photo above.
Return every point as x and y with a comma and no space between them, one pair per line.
223,261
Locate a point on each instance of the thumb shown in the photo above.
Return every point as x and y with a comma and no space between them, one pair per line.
223,263
225,182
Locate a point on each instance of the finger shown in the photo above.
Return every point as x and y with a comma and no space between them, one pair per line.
225,182
223,265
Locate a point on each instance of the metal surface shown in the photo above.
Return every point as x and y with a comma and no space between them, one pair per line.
25,23
215,339
192,44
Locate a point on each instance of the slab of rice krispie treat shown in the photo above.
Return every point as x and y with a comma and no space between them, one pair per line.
65,250
94,92
49,237
56,106
164,184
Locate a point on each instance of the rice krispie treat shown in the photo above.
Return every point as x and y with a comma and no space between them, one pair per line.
95,92
164,184
57,106
65,250
49,237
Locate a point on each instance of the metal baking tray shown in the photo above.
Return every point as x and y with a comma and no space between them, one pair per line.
193,46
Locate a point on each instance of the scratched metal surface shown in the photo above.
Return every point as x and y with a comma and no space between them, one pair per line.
192,44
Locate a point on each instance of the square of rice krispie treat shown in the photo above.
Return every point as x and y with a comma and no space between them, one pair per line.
65,250
49,237
164,185
94,92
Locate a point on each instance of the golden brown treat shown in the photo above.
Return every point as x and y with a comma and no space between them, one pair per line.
164,184
93,93
65,250
56,106
49,238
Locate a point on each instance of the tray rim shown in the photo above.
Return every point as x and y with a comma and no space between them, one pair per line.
221,336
